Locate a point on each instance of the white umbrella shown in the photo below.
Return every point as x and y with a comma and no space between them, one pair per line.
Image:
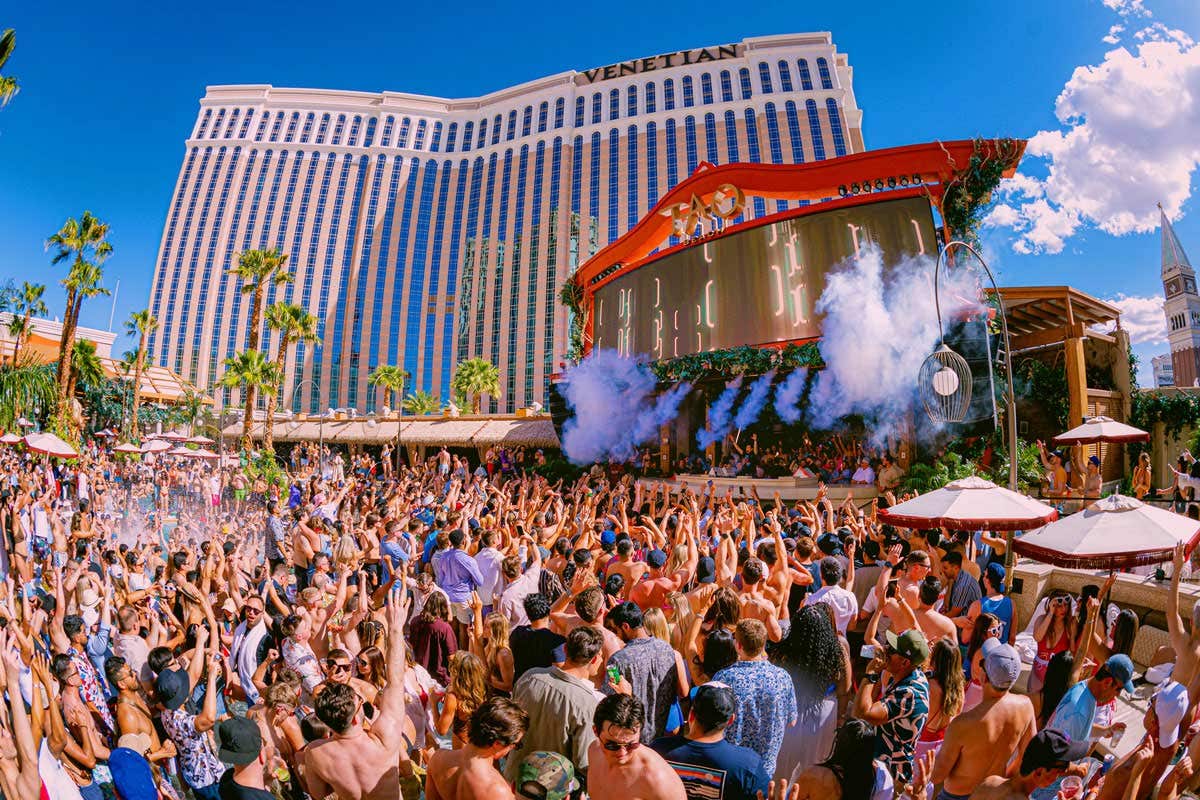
200,440
50,445
207,455
1117,532
9,438
970,504
126,447
180,451
1102,429
107,433
156,446
172,436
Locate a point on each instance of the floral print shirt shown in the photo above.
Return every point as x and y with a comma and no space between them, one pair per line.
766,707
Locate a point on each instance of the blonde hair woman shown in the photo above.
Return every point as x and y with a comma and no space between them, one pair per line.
1143,475
466,692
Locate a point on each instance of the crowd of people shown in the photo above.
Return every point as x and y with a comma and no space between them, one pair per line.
465,631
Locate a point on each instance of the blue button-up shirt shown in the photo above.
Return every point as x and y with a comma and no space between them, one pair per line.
457,574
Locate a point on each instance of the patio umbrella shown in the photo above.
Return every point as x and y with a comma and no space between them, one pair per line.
970,504
207,455
1117,532
172,436
1102,429
155,446
180,451
9,438
126,447
50,445
200,440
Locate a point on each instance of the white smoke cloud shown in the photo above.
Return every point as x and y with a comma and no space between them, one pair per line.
1128,141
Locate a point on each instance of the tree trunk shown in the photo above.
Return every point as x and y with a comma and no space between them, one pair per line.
269,423
475,403
137,383
247,421
249,394
65,350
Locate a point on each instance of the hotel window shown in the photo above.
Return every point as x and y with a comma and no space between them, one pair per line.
672,155
560,107
706,92
354,126
482,137
468,132
631,101
814,128
744,79
731,137
262,126
710,139
752,137
526,120
203,123
614,104
764,77
511,130
690,149
805,75
419,138
835,125
651,101
689,98
216,128
793,123
668,95
304,134
614,191
401,137
451,137
578,112
233,118
773,142
341,124
370,138
324,129
596,106
651,164
631,164
576,172
726,87
246,123
823,71
436,140
496,121
543,116
291,130
785,76
594,183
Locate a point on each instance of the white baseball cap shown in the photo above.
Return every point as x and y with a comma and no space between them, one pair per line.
1170,706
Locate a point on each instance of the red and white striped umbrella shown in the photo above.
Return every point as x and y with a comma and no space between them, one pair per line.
50,445
970,504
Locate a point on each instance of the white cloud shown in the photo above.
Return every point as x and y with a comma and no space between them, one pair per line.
1114,34
1128,141
1128,8
1142,318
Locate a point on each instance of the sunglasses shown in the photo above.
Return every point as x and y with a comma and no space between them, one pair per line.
338,665
617,747
995,630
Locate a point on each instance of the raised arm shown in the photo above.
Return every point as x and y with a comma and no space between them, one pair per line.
1179,637
387,725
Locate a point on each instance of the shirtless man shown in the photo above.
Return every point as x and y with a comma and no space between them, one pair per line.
355,764
1047,757
470,773
932,623
627,567
618,768
1186,645
983,741
589,609
133,714
653,591
755,604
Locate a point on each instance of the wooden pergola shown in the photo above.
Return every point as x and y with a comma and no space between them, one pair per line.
1042,317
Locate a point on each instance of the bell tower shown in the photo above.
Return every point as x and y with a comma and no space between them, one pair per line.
1182,306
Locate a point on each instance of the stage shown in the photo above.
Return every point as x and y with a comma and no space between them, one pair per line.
790,489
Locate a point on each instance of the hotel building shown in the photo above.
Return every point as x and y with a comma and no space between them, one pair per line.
423,231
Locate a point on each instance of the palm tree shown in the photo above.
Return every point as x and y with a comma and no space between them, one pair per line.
22,388
8,84
421,403
391,379
475,377
140,324
294,325
258,269
26,303
251,371
84,242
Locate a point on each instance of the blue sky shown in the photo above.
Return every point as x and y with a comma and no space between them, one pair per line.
108,96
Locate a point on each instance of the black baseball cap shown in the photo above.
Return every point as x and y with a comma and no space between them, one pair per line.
239,740
173,688
1050,749
714,705
706,570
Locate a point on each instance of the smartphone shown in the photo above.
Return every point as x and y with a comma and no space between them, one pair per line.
614,675
868,651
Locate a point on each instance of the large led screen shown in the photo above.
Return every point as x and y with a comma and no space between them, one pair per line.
754,287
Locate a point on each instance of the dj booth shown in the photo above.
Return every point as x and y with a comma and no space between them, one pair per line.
790,489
